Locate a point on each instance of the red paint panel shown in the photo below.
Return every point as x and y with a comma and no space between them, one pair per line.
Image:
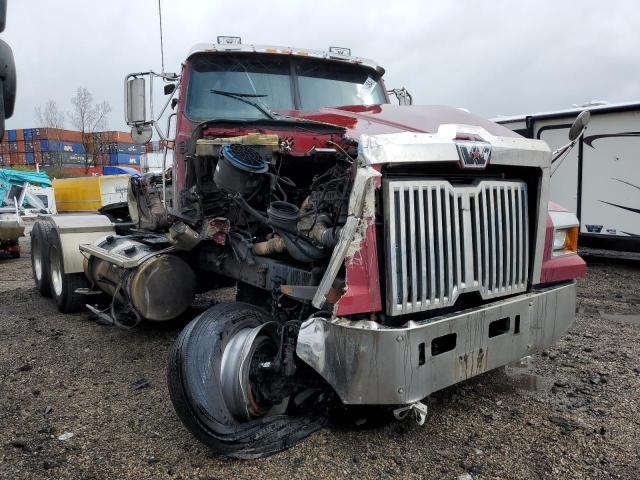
554,207
557,269
363,279
563,268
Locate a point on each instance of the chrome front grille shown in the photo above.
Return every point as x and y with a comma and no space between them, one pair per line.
443,240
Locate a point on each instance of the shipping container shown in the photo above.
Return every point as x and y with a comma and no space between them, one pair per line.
18,158
20,135
13,147
61,146
75,158
102,159
11,135
65,158
56,134
124,159
30,158
77,171
130,148
71,136
116,137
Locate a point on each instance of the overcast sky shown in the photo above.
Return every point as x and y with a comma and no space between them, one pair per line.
491,57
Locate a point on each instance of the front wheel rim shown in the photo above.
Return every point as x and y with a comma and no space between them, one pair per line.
56,272
242,353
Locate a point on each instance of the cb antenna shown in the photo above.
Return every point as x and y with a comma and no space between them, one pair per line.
161,43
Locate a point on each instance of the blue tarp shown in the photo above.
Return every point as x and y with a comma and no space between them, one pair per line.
10,177
118,170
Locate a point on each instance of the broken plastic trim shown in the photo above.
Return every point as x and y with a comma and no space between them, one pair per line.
364,179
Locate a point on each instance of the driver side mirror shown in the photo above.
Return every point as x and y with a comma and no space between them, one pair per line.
136,110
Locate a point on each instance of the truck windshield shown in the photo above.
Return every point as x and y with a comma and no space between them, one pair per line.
324,84
270,82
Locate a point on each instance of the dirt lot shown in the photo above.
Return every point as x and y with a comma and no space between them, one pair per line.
572,412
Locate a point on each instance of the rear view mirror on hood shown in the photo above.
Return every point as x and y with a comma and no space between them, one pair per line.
579,124
402,95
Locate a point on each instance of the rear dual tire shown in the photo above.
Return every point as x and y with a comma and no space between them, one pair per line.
47,266
63,286
40,255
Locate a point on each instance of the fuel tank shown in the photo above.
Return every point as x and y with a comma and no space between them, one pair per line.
159,288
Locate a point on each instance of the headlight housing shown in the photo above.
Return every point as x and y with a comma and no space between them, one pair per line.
565,233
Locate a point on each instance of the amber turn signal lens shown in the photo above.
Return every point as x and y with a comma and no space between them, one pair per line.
571,240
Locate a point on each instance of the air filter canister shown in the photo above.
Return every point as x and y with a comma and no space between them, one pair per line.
240,169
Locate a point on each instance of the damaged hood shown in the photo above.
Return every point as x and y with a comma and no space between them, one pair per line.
384,119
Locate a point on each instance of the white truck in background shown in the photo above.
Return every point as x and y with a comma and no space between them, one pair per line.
599,180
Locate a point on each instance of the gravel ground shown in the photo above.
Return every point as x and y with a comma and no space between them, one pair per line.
571,412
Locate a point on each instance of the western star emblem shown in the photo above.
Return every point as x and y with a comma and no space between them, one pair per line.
473,154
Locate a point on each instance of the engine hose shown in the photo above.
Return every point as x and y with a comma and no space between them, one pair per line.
242,203
301,248
324,234
330,237
269,247
298,246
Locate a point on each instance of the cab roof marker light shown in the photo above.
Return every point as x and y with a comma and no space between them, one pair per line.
341,51
226,40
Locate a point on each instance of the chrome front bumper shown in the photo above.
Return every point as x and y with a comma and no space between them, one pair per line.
369,364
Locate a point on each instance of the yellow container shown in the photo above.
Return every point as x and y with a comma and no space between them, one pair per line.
88,194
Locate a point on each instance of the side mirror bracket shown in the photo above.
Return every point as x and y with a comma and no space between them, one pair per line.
402,95
576,131
136,101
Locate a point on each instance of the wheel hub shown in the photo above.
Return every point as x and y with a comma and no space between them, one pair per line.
243,354
56,271
37,258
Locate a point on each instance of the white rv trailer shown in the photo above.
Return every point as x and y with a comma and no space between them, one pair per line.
599,180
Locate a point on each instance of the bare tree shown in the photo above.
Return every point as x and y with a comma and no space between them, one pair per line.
89,118
50,116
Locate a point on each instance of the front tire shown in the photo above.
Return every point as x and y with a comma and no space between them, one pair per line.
213,350
63,286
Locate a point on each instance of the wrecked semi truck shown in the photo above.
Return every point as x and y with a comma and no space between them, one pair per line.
379,252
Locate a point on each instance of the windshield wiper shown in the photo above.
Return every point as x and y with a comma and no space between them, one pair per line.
243,97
